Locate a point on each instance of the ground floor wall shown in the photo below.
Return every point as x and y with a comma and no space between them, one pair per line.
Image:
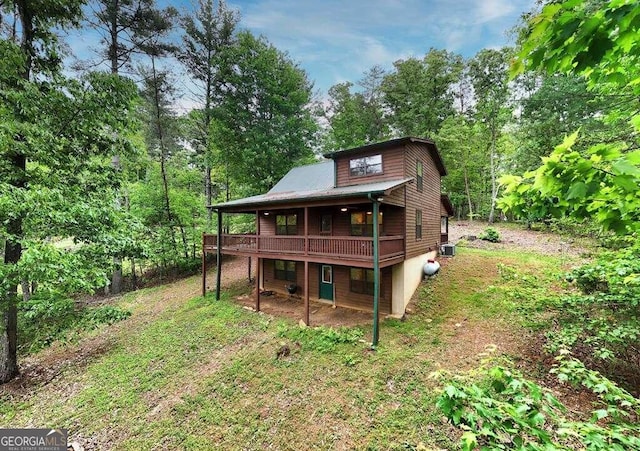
406,276
342,295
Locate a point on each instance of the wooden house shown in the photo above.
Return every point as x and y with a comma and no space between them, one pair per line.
354,230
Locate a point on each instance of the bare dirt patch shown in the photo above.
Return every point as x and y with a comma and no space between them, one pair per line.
280,305
515,237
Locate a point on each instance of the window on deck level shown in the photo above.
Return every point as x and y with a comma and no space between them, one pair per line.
361,280
286,225
285,270
325,224
444,224
362,223
419,175
365,166
418,224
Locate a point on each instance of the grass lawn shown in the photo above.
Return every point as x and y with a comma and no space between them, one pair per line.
186,372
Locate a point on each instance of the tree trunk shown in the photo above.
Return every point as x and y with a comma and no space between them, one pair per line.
12,255
468,191
26,290
13,246
134,277
208,193
494,185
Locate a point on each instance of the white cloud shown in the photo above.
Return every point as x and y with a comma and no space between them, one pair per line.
339,40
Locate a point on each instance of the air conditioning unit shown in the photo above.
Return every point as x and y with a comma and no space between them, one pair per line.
448,250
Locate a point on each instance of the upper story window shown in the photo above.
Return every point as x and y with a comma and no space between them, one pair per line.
286,224
419,175
362,223
359,167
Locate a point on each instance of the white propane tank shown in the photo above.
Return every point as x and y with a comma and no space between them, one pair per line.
431,268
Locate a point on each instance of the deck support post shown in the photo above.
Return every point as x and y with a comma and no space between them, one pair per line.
376,270
258,265
219,256
306,292
204,267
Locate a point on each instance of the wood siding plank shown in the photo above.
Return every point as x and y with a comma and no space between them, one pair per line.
428,201
392,167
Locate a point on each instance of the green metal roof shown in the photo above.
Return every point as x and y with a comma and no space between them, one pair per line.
307,178
311,182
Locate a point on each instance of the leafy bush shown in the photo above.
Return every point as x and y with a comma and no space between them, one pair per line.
602,320
490,234
501,409
42,322
322,339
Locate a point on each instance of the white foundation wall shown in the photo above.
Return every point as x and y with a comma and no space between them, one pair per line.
405,278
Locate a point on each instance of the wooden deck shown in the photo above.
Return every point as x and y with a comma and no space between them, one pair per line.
343,249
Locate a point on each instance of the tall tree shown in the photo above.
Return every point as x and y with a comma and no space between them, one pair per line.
162,137
56,136
596,40
419,92
356,118
206,33
127,28
463,151
489,71
263,124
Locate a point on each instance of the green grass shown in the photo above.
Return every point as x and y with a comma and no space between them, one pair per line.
204,374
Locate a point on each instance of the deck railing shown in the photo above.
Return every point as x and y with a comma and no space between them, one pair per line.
357,248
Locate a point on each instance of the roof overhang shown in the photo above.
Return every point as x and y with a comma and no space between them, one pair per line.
281,200
446,203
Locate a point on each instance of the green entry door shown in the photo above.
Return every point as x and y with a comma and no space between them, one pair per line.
326,282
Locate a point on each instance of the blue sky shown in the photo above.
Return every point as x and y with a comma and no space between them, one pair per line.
338,40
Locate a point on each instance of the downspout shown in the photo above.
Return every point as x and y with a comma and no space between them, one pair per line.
376,269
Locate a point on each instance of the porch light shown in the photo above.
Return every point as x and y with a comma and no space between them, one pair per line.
369,213
266,213
343,209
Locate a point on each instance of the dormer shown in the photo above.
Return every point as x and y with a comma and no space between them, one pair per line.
381,161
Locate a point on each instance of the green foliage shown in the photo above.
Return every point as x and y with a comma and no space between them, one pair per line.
262,125
595,40
356,118
601,185
418,92
557,106
322,339
490,234
603,320
461,144
43,321
500,409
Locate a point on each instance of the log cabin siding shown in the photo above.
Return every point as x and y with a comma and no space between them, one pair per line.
343,295
397,197
345,298
270,282
428,201
268,223
392,167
